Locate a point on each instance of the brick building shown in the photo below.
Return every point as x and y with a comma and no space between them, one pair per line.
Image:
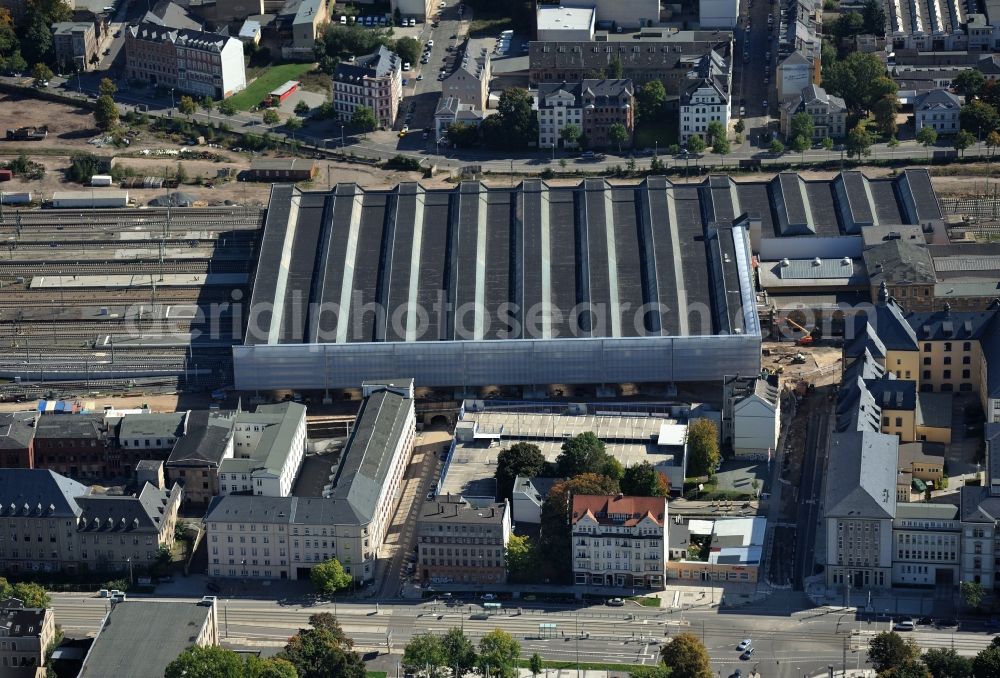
72,444
459,542
17,433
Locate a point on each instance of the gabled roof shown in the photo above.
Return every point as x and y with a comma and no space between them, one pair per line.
857,409
815,93
619,510
899,261
378,64
937,100
39,492
192,39
112,513
206,439
861,478
16,430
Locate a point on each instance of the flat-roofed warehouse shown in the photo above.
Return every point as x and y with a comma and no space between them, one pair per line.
472,286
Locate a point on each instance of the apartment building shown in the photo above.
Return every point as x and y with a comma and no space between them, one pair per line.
268,446
980,514
72,445
705,97
751,415
75,45
373,81
907,270
25,635
594,106
926,545
193,62
859,508
619,540
828,112
470,81
51,523
134,437
460,542
17,439
283,537
195,458
938,109
663,54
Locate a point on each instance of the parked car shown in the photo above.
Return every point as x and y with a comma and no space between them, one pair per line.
616,602
489,596
747,653
746,642
904,625
208,601
103,593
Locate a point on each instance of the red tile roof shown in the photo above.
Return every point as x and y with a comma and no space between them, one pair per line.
606,509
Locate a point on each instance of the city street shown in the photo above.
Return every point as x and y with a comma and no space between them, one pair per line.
789,643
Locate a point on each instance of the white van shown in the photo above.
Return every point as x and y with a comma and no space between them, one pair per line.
343,20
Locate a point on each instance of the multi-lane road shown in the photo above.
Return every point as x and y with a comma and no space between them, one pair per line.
788,644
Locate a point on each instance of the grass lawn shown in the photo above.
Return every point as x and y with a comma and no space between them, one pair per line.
375,674
662,129
646,601
273,77
481,28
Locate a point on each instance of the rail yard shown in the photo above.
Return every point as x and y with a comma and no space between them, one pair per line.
109,300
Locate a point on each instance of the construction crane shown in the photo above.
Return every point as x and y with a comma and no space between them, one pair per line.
806,339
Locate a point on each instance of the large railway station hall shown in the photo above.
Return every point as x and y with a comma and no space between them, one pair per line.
471,286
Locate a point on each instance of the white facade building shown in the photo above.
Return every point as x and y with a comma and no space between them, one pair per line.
556,109
705,97
268,446
528,496
718,14
555,22
752,415
939,109
620,541
627,14
926,543
283,537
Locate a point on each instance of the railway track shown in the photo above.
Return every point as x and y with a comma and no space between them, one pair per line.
119,267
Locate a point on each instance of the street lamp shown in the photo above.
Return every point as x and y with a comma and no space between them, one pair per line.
172,99
129,561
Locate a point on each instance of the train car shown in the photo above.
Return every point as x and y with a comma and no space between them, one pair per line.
89,199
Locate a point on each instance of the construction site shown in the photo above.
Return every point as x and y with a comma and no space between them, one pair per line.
110,300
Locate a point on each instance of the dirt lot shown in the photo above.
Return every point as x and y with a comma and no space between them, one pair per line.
71,128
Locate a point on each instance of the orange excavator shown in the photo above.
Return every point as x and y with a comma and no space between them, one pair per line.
806,339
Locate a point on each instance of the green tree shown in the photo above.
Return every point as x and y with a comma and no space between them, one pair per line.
271,117
16,63
459,651
520,459
515,118
227,107
498,653
424,655
262,667
41,73
186,105
686,657
650,100
740,126
31,594
968,83
849,25
946,663
888,649
874,16
993,142
293,124
703,447
801,125
570,135
859,141
463,135
973,593
329,577
885,110
615,70
913,668
36,41
927,136
776,147
714,132
340,41
364,119
800,144
206,662
206,104
962,141
986,664
696,144
979,117
583,453
554,544
408,49
302,109
535,664
861,79
521,559
827,143
643,480
323,650
107,87
721,147
182,175
105,113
